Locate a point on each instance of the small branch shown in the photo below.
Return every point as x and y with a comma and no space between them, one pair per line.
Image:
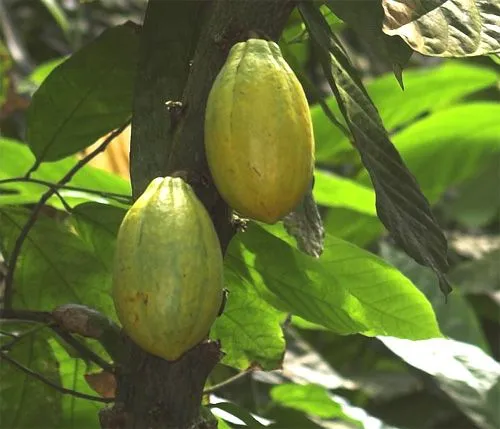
52,384
87,322
82,349
226,382
121,198
16,251
26,315
47,320
16,338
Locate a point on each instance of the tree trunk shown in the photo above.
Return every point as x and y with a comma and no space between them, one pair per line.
184,45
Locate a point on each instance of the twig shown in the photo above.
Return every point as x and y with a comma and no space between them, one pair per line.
9,279
16,338
82,349
50,383
121,198
26,315
66,206
226,382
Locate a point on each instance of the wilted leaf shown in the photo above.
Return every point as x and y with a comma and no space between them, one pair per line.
445,28
103,382
365,17
464,372
305,224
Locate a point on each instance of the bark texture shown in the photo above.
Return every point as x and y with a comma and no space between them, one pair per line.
184,45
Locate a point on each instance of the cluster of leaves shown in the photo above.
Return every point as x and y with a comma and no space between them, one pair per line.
409,359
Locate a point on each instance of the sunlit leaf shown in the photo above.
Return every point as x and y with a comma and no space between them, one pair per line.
445,28
464,372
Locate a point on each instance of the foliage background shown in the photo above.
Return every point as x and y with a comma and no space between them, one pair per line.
445,126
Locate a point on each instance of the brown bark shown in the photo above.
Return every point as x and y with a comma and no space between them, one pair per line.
153,393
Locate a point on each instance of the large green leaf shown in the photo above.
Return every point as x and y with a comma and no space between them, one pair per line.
426,89
464,372
25,402
85,97
456,318
17,159
401,206
55,266
311,399
317,401
445,28
331,190
249,329
347,289
442,150
450,146
353,226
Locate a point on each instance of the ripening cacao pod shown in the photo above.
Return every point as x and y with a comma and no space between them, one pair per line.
168,272
258,133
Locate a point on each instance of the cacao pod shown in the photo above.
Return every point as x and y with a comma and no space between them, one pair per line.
258,133
168,272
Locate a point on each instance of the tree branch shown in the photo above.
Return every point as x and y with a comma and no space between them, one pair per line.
48,320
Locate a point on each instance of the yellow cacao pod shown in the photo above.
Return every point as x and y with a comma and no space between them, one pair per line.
258,133
168,272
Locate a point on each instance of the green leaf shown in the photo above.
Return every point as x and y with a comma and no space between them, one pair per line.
450,146
464,372
85,97
249,328
25,402
42,71
17,159
401,206
358,228
310,399
446,28
331,190
426,90
55,266
455,316
347,289
222,424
